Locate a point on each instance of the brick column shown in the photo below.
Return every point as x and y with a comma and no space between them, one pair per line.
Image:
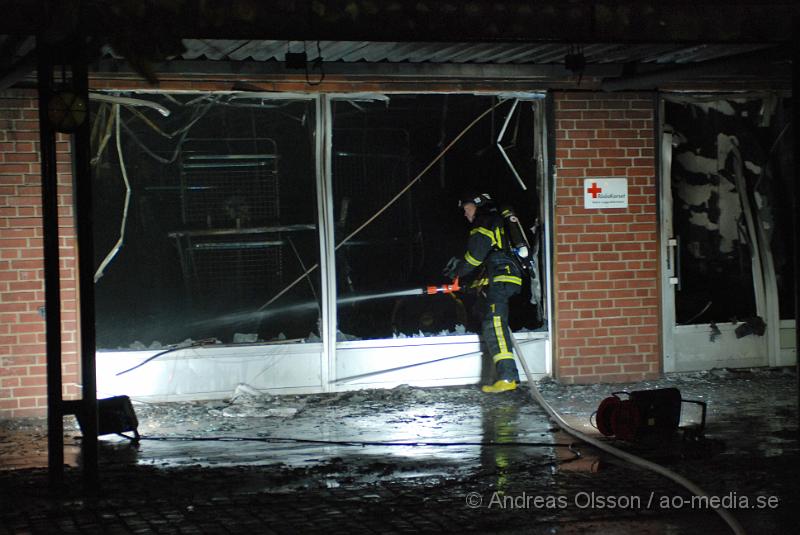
23,380
606,260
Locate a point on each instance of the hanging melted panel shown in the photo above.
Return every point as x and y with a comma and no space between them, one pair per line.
730,175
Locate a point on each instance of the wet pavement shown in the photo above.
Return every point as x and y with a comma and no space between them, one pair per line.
416,460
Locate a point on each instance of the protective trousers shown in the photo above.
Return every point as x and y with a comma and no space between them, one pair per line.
495,332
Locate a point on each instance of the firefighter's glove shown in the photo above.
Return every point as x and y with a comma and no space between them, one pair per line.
451,269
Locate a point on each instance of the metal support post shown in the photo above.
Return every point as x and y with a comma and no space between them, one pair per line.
52,283
82,176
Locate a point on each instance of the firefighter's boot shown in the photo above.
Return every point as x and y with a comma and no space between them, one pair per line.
507,375
502,385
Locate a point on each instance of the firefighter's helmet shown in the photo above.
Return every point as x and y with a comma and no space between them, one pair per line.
480,200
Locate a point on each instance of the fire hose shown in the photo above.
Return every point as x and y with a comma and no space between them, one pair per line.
453,287
625,456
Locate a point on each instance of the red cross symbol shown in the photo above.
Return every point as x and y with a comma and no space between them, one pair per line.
594,190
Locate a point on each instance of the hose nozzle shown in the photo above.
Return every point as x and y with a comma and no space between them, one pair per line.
444,288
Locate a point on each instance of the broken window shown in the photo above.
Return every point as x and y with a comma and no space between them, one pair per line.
380,146
221,216
206,222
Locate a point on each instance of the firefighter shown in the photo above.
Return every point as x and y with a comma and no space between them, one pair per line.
498,278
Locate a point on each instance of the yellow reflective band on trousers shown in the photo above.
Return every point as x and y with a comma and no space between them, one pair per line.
502,356
471,259
501,339
508,278
486,232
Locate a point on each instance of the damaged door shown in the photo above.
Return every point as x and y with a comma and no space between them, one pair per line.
722,214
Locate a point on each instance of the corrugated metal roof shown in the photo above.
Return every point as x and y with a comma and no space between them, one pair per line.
429,52
511,53
543,61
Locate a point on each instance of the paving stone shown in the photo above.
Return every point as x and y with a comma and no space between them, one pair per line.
392,490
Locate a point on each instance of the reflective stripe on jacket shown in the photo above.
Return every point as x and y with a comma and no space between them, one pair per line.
487,246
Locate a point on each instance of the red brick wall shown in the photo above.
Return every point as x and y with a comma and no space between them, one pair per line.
606,270
606,285
23,377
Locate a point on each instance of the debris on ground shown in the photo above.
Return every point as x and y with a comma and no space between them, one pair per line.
245,338
335,463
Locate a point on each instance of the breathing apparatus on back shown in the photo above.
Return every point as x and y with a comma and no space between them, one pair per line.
515,234
524,251
516,242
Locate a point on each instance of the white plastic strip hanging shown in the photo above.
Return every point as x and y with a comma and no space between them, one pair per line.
114,99
500,145
114,250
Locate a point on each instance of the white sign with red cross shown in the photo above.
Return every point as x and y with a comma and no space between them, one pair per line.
605,192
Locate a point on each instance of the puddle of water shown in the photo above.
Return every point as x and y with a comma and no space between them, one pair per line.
20,449
364,421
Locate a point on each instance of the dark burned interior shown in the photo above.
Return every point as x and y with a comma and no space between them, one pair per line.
223,212
732,160
208,185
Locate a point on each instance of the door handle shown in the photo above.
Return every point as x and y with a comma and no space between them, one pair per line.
674,261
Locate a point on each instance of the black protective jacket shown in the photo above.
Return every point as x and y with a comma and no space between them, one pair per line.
487,246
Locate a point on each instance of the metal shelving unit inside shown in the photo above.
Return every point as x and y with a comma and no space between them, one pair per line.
231,243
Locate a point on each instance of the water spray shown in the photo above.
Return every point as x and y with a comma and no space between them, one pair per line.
242,317
427,290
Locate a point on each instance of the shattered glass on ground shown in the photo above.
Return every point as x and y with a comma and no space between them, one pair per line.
324,462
